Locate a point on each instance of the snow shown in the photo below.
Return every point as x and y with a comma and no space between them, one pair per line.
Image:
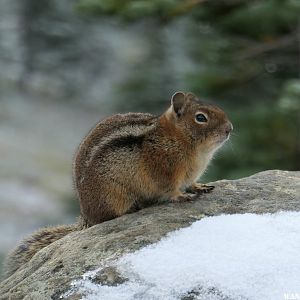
243,256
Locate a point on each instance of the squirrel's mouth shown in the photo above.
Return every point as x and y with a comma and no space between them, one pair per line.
221,139
226,134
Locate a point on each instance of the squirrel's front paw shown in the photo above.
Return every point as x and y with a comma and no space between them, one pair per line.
183,197
198,188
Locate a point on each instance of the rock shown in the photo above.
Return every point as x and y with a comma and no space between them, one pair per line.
50,272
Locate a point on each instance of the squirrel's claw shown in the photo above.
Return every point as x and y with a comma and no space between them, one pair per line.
198,188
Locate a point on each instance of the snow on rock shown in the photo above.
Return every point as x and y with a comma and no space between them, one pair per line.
235,255
242,256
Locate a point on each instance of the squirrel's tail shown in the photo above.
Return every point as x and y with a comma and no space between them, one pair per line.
34,243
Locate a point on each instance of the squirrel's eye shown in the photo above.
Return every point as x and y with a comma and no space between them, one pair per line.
201,118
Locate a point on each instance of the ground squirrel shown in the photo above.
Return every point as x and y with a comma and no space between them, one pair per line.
129,160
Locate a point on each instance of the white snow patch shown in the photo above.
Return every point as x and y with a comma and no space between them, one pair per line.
243,256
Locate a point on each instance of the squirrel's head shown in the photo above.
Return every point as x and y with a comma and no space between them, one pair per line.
207,125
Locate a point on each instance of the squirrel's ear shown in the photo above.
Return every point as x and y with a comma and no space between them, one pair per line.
177,101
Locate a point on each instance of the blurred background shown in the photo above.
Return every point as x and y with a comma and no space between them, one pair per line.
66,64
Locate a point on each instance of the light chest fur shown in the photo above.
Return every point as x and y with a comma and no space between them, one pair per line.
196,166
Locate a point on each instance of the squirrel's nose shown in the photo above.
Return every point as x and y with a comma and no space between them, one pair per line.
228,128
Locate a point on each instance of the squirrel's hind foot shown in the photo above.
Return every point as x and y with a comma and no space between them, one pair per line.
182,197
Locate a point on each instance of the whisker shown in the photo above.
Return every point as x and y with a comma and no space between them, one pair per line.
231,147
234,134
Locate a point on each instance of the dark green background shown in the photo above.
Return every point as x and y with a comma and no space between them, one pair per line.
247,58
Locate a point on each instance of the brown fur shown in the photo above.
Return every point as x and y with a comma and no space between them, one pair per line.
31,245
128,160
134,158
